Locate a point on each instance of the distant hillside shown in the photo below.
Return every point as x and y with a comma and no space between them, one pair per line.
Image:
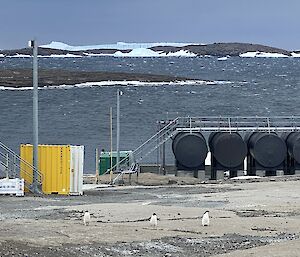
223,49
159,50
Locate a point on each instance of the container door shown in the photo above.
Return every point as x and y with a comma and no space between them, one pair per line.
76,169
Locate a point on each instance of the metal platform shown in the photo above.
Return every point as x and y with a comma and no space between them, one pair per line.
170,127
236,124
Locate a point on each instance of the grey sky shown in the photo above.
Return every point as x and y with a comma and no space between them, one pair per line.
86,22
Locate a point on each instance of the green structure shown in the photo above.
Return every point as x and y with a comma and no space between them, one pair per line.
104,160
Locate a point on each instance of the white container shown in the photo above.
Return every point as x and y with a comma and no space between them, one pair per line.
76,169
12,186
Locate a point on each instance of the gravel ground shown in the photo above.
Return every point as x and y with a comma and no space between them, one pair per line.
247,218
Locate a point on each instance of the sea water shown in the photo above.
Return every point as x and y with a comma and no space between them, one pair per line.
80,116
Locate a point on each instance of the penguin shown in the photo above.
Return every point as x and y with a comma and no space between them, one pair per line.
205,219
86,218
153,220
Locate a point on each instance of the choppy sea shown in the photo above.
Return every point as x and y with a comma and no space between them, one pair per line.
80,116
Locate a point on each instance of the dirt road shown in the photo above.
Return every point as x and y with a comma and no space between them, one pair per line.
260,218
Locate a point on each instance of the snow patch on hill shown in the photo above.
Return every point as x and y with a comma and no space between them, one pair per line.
139,52
181,53
296,55
144,52
263,55
61,56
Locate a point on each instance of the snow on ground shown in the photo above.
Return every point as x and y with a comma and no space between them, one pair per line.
119,46
249,54
1,55
263,55
181,53
139,52
245,177
19,56
61,56
144,52
96,55
296,55
124,83
223,58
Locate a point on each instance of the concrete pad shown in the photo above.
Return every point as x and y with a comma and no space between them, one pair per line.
279,172
200,174
261,173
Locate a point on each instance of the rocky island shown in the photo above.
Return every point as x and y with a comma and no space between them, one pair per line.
56,49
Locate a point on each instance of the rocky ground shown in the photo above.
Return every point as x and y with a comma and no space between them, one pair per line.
259,217
54,77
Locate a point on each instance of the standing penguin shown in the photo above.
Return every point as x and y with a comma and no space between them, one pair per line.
86,218
153,220
205,219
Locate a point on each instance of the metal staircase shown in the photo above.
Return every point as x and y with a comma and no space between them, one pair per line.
12,166
168,129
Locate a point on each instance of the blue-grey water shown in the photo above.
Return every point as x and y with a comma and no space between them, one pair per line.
259,86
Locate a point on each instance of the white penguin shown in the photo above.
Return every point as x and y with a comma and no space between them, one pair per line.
153,220
205,219
86,218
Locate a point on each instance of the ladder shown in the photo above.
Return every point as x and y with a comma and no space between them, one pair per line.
12,166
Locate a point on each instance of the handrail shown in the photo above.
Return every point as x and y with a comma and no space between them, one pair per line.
23,161
156,136
169,124
16,165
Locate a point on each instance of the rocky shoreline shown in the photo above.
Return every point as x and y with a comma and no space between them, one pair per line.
53,77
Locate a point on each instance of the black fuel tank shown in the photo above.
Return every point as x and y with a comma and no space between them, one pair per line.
190,149
229,149
268,149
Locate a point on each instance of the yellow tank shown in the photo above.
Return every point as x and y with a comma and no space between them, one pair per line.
61,167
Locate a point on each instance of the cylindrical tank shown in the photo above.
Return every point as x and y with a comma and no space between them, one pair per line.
268,149
229,149
292,140
190,149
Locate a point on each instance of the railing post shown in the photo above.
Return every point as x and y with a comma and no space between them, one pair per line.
268,121
164,159
7,163
14,166
158,148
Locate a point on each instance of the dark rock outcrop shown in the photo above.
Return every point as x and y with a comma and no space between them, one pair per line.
53,77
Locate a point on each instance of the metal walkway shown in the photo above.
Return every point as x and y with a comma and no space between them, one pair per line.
238,124
169,128
12,166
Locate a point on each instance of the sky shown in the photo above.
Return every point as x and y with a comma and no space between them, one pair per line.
88,22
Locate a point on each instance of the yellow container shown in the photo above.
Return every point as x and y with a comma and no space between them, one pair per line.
59,167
